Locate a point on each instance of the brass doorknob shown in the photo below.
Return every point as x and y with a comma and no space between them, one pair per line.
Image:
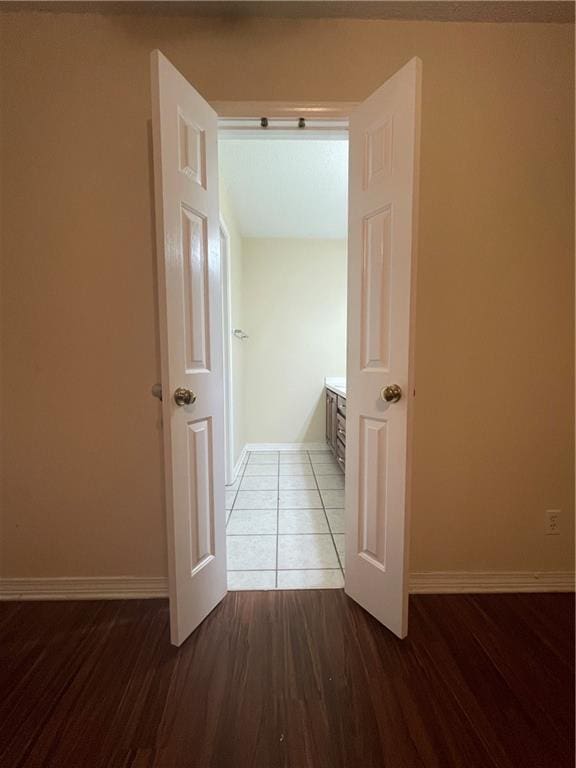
392,393
184,396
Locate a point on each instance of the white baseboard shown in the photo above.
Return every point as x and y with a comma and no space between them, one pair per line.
84,588
136,587
462,582
287,447
238,464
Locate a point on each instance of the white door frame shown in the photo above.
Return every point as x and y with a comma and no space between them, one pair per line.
318,115
198,575
320,110
227,351
242,121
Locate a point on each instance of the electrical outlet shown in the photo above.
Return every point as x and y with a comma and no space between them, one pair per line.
552,522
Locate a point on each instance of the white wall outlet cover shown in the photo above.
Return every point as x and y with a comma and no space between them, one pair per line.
552,522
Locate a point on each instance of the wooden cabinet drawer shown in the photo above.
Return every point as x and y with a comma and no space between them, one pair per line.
341,427
341,453
331,411
336,424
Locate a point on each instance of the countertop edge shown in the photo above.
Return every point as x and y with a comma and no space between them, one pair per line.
337,390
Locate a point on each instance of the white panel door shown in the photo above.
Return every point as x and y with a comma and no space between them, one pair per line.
384,151
185,130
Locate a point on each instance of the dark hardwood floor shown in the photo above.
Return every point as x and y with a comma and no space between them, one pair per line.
289,680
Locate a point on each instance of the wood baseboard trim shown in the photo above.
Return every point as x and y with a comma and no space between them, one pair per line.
84,588
424,583
286,447
462,582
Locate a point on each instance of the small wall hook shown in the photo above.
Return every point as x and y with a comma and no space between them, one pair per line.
301,122
263,122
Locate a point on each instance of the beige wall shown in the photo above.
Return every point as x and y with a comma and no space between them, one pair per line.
82,477
294,294
236,318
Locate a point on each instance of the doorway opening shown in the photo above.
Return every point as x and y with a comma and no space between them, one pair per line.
283,204
384,139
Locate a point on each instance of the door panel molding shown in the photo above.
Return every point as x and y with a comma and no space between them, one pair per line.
384,171
185,134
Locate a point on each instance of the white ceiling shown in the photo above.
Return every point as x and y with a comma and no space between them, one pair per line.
287,187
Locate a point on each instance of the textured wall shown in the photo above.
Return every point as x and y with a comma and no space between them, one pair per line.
82,473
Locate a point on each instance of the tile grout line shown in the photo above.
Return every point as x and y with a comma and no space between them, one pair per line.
239,479
237,491
292,533
325,515
228,518
277,535
260,570
297,509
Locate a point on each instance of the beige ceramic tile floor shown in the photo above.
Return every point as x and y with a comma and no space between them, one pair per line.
285,522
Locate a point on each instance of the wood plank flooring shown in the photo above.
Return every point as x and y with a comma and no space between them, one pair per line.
289,680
